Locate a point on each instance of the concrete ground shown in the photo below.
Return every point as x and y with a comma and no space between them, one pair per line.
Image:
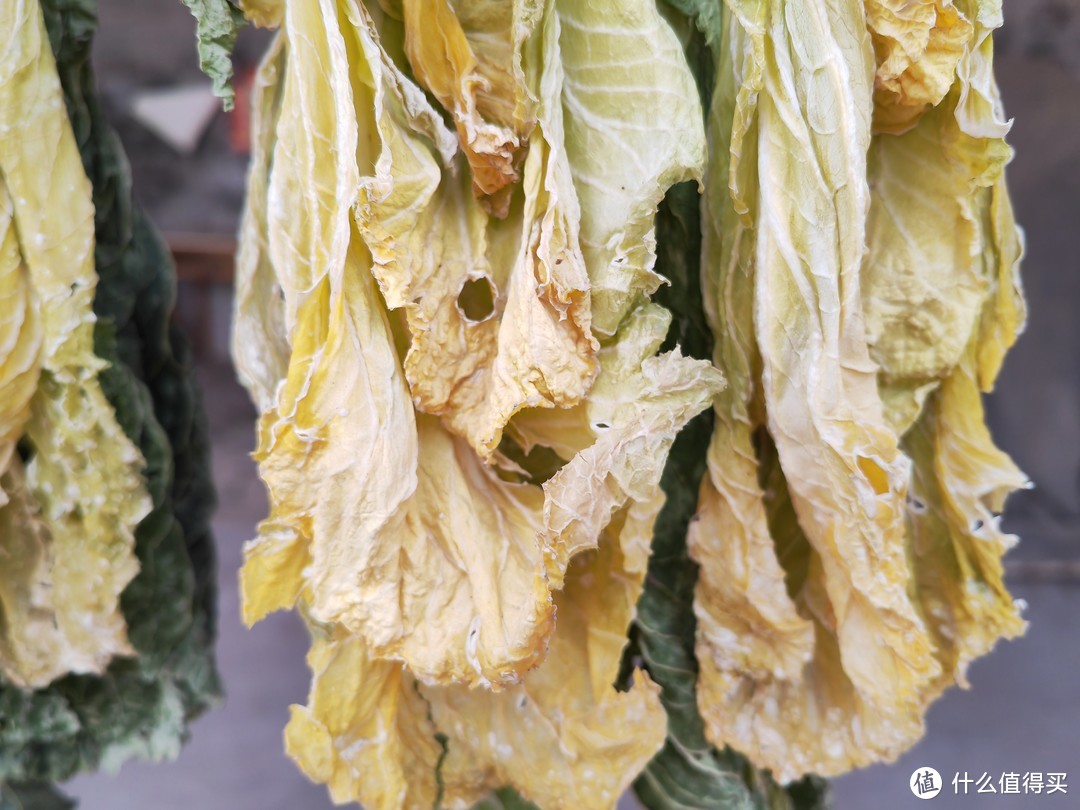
1022,713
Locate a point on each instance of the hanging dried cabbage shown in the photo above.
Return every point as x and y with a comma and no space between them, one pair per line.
855,280
494,346
106,584
75,475
450,313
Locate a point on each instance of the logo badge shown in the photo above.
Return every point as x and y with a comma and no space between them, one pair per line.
925,782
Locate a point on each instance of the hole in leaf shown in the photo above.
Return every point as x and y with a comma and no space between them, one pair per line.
476,299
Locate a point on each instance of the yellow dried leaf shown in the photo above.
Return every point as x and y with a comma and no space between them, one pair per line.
846,478
565,738
365,732
466,53
83,494
917,45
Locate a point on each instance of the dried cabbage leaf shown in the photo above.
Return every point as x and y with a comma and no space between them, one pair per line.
529,343
622,62
924,294
917,46
689,772
819,390
20,337
76,454
817,378
564,738
260,348
366,731
263,13
355,544
639,403
344,362
468,54
960,482
217,22
140,706
929,570
923,291
743,610
372,737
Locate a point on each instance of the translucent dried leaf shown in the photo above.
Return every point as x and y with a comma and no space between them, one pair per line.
20,337
960,483
742,608
565,738
622,63
639,403
445,564
260,348
923,291
926,574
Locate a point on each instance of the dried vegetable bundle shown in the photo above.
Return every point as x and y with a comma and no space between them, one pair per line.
106,579
521,579
860,269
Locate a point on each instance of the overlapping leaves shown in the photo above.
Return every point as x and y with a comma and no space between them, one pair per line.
140,704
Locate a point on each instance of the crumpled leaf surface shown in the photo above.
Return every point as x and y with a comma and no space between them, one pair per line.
749,617
583,740
893,590
139,706
366,258
467,54
355,543
20,337
620,60
917,47
499,312
467,309
217,22
81,477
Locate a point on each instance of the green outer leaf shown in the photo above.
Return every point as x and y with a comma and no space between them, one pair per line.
217,24
706,14
501,799
32,796
141,706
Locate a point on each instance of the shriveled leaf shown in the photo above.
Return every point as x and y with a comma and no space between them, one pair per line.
217,22
564,738
468,54
141,706
846,477
82,474
743,610
917,47
365,732
20,338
